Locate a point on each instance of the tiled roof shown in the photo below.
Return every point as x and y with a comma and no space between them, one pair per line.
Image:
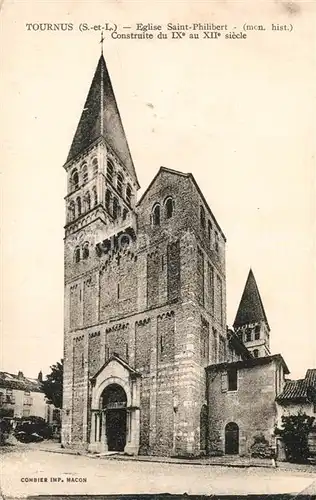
310,376
294,391
251,308
19,383
297,391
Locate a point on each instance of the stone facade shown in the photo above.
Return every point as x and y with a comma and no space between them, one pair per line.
22,396
144,283
145,339
249,403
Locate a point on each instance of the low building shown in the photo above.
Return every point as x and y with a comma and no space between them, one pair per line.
298,396
241,403
22,396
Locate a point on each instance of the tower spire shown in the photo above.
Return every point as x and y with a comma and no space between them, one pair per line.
101,42
101,118
102,90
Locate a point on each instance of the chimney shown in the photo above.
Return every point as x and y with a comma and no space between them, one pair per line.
40,376
20,375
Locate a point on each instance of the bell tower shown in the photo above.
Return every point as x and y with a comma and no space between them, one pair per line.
102,181
100,202
251,324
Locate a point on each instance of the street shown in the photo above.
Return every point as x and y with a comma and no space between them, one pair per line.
30,471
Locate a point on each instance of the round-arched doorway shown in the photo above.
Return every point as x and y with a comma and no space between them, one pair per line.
231,439
114,400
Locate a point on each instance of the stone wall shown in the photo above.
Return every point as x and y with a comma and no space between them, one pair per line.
256,391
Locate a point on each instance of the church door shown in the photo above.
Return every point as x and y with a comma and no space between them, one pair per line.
114,401
231,439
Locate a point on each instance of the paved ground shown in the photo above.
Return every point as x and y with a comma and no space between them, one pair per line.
72,474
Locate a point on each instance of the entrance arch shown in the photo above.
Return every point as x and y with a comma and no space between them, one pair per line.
114,401
231,439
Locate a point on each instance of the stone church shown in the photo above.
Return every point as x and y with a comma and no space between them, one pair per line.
149,364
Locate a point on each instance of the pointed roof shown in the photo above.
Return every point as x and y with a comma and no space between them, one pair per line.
101,118
251,308
115,357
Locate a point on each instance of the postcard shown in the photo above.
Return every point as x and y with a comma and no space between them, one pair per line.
158,249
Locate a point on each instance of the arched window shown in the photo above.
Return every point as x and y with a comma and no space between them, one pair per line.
85,252
71,211
95,165
77,254
128,194
209,230
88,201
125,214
168,208
119,185
202,217
74,179
84,171
216,241
156,215
257,332
95,196
78,205
255,353
108,197
248,335
110,170
116,208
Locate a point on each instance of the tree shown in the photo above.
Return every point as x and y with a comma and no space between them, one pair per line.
294,432
53,385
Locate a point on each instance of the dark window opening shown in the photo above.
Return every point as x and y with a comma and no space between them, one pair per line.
85,175
75,180
77,255
125,214
128,194
79,205
200,276
118,290
116,208
110,171
161,343
204,340
216,241
257,332
108,200
156,216
248,335
232,379
211,287
202,217
209,231
95,166
85,253
95,196
119,184
169,208
255,353
88,201
72,211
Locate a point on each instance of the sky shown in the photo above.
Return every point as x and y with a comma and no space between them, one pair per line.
238,114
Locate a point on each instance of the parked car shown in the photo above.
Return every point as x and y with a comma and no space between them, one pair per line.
30,429
25,437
